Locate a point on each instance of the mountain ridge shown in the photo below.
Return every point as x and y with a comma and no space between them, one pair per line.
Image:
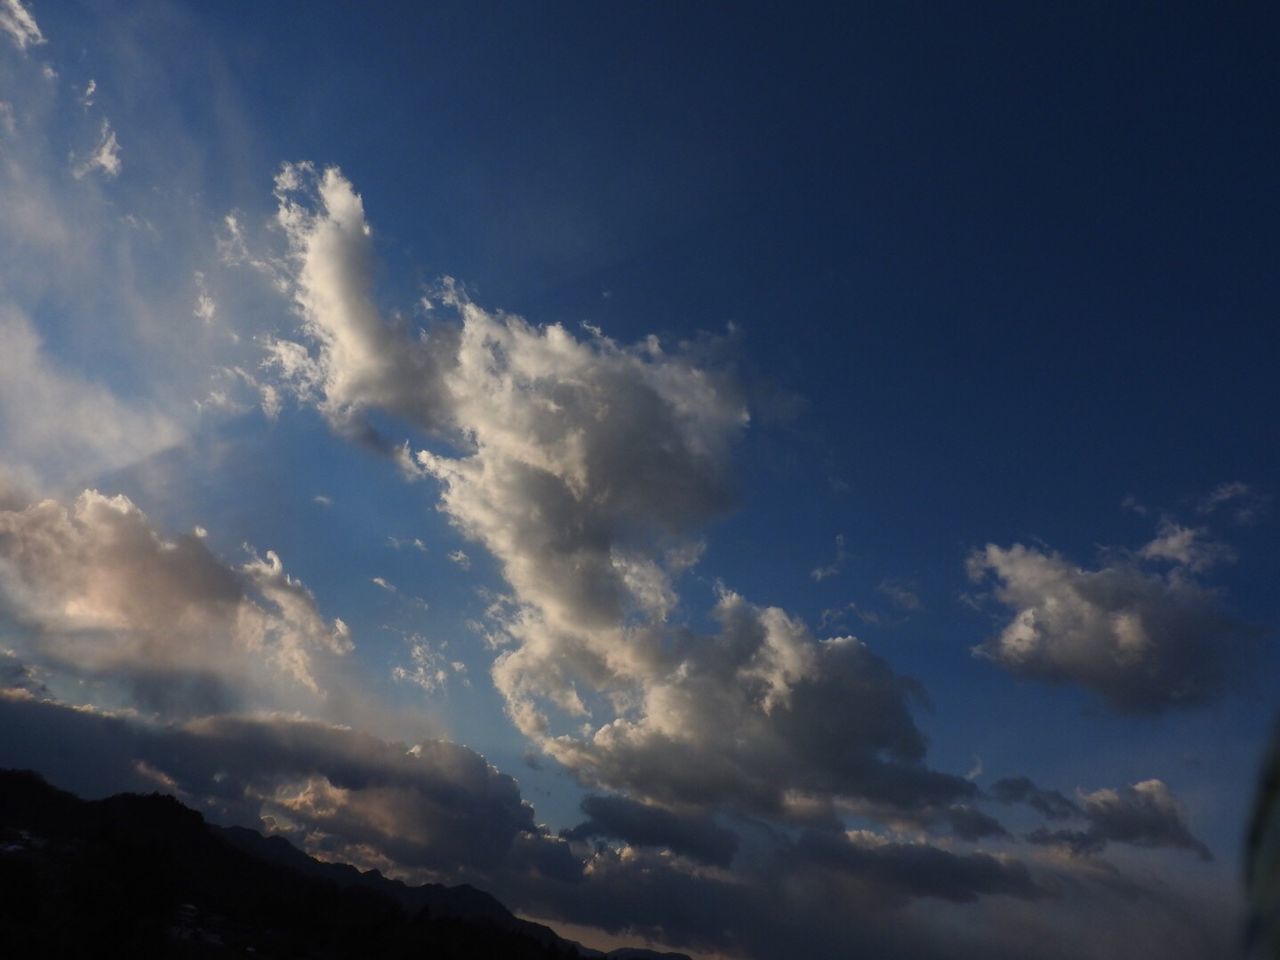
146,872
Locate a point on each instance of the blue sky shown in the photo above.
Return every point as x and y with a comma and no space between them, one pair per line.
829,431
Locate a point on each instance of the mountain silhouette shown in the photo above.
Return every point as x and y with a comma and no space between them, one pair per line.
144,876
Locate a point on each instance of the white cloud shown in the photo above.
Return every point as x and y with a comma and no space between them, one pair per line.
52,422
830,570
99,594
429,665
1146,641
1245,503
587,467
461,559
1187,547
105,156
16,20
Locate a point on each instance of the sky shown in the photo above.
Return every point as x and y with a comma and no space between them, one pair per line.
732,478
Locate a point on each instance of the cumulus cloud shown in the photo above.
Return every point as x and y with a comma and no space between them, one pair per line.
97,592
587,468
1146,641
1146,814
16,20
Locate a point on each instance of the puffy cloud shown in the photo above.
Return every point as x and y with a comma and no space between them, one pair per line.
1145,641
586,468
362,364
1146,814
16,20
99,593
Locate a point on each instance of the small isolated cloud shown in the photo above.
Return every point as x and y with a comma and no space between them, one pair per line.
16,21
1146,641
1245,504
383,584
407,543
105,156
429,666
899,594
86,98
1187,547
461,559
206,309
1146,814
830,570
323,500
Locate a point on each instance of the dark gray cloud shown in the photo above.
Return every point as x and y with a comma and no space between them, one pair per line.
441,809
1146,814
639,824
1051,804
920,870
435,805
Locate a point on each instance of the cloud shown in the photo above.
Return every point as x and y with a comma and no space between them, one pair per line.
919,870
1246,504
587,468
1146,642
105,156
429,666
1050,804
338,793
99,594
646,825
1187,547
899,594
52,422
1146,814
361,363
830,570
16,20
461,559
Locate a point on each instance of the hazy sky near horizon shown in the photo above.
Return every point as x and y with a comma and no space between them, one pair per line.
717,475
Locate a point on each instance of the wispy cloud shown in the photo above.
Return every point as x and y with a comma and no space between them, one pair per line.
16,21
